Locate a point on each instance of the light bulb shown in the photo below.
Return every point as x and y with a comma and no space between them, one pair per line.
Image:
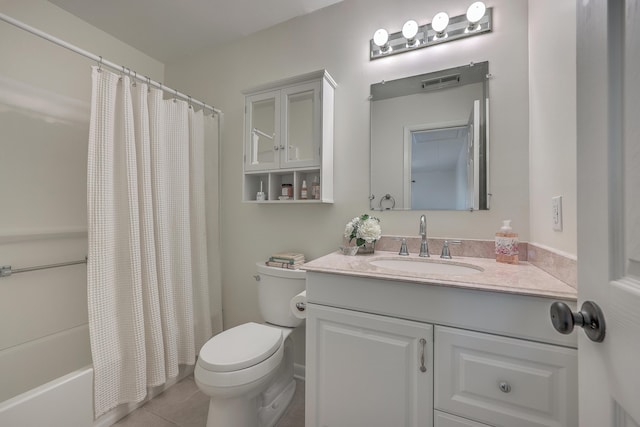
381,37
476,12
440,23
410,30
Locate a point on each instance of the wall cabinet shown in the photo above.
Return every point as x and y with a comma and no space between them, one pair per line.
481,368
288,140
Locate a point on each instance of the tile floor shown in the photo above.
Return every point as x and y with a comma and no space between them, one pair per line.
183,405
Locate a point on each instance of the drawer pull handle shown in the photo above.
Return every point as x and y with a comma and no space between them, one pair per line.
505,387
423,343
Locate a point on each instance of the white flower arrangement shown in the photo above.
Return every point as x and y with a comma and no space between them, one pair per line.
363,228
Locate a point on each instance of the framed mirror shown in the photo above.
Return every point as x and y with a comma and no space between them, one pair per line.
429,141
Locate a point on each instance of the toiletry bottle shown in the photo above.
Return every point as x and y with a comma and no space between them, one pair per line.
303,190
507,244
315,189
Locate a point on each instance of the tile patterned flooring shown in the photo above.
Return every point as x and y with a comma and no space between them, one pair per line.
183,405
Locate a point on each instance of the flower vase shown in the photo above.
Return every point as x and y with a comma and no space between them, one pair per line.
367,248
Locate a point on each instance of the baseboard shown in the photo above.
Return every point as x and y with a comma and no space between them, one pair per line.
299,371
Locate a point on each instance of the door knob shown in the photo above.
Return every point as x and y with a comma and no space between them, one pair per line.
590,318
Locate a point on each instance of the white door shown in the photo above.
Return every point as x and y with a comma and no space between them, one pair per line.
473,158
608,151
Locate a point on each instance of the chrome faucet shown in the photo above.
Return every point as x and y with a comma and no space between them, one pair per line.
424,246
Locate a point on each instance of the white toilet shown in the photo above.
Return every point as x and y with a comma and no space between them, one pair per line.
248,370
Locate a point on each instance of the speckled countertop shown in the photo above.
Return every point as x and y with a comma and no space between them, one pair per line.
523,278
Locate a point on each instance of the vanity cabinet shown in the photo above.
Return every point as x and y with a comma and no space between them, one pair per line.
289,139
371,370
491,359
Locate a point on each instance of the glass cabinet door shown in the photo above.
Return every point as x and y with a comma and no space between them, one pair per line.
262,133
301,122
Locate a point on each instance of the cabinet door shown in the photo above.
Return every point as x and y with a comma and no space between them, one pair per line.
367,370
262,131
301,121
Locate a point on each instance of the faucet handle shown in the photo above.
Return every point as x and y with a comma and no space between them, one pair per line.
403,248
445,248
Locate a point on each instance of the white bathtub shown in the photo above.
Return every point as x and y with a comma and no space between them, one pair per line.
63,402
68,402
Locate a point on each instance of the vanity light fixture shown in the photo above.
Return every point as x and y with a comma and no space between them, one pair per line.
439,23
474,14
442,29
381,39
410,31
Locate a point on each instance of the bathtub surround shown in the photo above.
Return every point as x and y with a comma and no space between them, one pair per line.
44,141
148,285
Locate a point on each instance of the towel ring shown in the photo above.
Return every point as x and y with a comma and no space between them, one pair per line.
386,198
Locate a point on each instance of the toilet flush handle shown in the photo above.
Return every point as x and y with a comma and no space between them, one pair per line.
257,277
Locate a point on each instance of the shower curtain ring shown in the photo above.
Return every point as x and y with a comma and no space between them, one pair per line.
100,65
190,106
176,95
135,78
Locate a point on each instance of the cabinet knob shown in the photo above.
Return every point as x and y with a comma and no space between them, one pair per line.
275,147
504,386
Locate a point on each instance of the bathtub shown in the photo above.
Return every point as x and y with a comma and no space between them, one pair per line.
68,401
63,402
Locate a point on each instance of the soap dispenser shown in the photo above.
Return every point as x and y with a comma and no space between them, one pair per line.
507,244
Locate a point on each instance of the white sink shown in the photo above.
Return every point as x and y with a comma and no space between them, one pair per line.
425,266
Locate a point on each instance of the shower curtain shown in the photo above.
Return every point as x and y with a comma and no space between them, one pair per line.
147,261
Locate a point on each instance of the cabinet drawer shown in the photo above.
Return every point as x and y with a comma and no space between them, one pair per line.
442,419
505,381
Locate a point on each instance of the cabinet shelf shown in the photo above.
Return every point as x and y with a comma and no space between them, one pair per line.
289,140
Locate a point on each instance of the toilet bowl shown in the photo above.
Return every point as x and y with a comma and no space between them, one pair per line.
247,371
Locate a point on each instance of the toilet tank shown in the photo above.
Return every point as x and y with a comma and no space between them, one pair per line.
276,287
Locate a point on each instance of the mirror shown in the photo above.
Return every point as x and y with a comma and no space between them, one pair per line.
429,144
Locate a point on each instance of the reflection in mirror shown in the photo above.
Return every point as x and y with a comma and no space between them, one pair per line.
429,148
300,129
263,113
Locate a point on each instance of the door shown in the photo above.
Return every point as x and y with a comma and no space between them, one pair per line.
473,158
367,370
301,121
262,131
608,152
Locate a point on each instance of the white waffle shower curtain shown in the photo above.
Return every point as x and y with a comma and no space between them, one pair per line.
147,260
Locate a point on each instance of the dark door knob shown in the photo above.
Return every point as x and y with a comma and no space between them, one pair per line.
590,318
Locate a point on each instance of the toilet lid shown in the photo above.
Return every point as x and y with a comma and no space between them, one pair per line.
240,347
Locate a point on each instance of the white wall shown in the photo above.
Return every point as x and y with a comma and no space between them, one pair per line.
552,121
45,92
337,38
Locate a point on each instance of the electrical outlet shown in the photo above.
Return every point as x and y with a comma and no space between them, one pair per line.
556,212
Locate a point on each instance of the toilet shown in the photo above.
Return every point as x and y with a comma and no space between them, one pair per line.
247,371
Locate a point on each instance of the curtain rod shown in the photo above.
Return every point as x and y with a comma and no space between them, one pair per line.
105,62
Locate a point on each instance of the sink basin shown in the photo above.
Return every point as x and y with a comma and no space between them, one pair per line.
425,266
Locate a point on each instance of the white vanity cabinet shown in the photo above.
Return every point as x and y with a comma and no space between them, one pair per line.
494,358
288,139
371,370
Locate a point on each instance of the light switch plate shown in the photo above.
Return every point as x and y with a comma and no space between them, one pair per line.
556,212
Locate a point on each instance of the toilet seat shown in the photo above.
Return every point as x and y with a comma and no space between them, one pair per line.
261,353
240,347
